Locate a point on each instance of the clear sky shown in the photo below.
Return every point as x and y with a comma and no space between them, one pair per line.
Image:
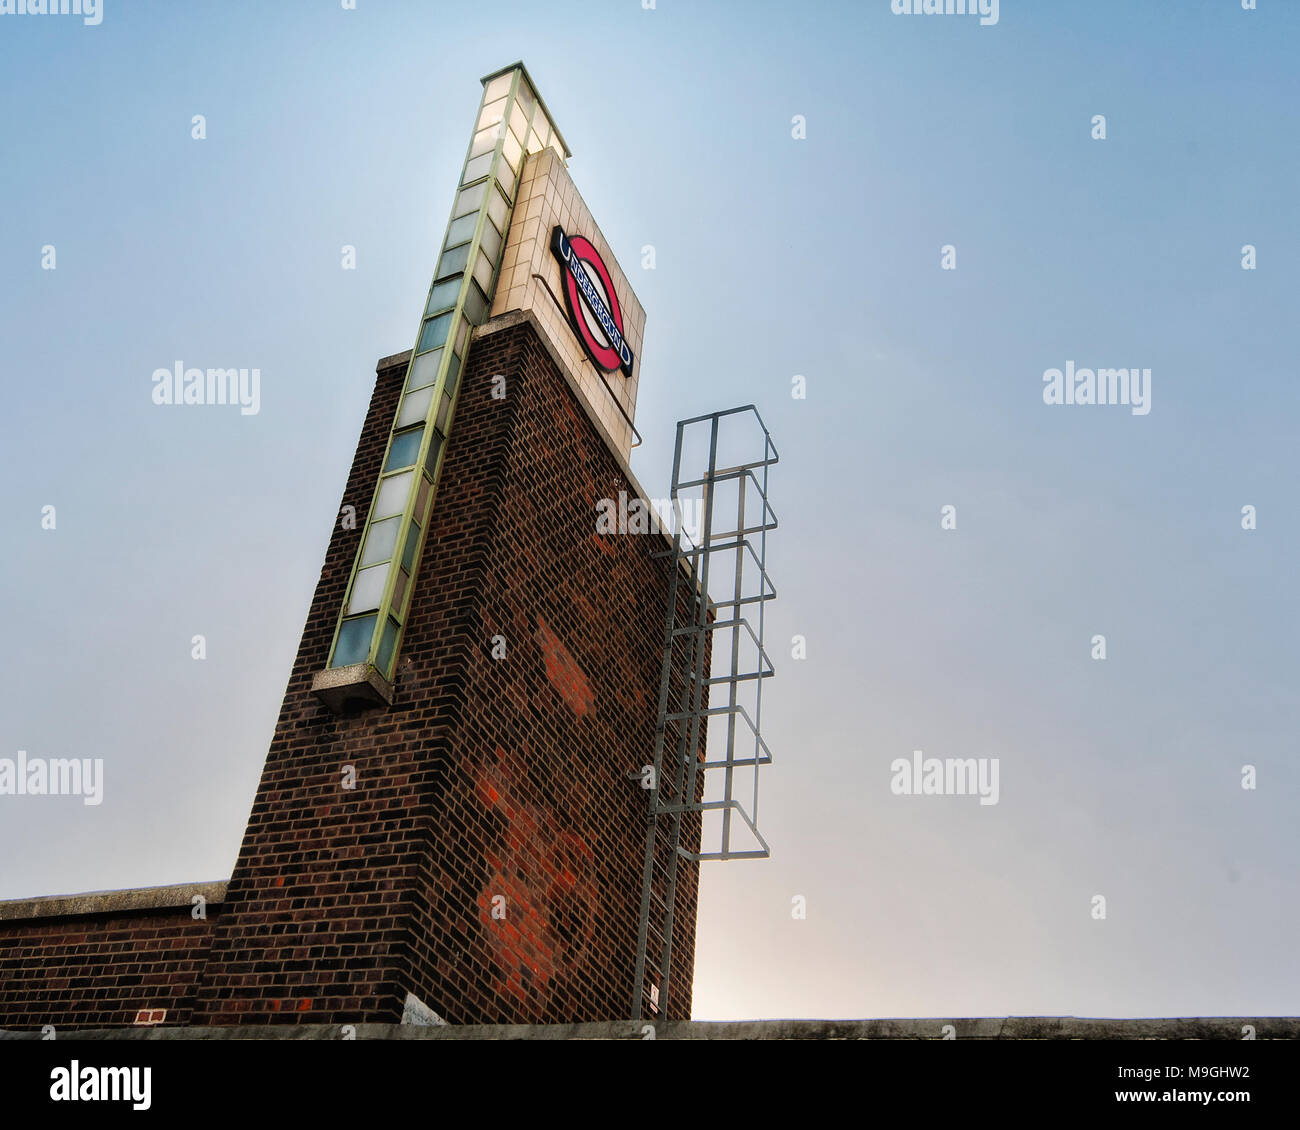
775,256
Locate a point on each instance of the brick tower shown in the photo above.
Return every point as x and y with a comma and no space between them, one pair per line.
449,824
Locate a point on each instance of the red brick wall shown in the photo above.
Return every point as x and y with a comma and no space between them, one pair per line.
99,970
543,806
487,777
319,902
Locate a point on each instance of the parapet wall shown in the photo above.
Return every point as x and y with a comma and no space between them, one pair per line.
113,957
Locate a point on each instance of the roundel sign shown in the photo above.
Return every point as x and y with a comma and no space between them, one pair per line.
594,312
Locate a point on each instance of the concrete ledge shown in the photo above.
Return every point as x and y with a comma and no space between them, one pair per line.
393,360
355,687
111,902
989,1028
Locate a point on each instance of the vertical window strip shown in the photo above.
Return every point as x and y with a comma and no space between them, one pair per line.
387,625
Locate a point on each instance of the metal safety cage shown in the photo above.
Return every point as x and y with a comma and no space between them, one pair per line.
678,803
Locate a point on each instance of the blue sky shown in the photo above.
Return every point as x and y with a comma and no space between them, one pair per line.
774,257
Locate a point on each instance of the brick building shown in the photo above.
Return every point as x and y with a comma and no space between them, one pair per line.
449,825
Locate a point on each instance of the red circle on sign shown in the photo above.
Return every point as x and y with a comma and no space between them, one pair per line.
606,356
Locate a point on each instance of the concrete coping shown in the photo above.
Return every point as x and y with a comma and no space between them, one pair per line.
982,1028
112,902
393,360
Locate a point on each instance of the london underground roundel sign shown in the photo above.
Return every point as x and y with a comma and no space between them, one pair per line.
594,312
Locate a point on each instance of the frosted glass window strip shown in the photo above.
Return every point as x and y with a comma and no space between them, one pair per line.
424,369
453,261
415,407
492,113
497,210
461,336
554,143
519,122
381,540
393,493
444,410
490,243
443,296
542,127
511,150
461,230
368,588
404,450
353,644
508,178
535,143
453,373
476,305
422,499
484,141
469,200
434,333
477,168
499,87
483,273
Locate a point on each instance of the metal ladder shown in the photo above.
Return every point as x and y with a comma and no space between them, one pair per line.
675,789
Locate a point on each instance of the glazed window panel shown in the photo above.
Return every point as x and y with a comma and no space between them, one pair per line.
478,168
424,369
412,544
353,644
393,493
469,199
443,296
387,646
453,372
498,208
490,242
381,541
434,333
368,588
485,141
493,113
405,449
415,407
499,87
462,230
453,261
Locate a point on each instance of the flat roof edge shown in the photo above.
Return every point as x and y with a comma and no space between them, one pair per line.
393,360
111,902
982,1028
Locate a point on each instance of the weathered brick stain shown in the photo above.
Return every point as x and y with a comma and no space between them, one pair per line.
563,670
